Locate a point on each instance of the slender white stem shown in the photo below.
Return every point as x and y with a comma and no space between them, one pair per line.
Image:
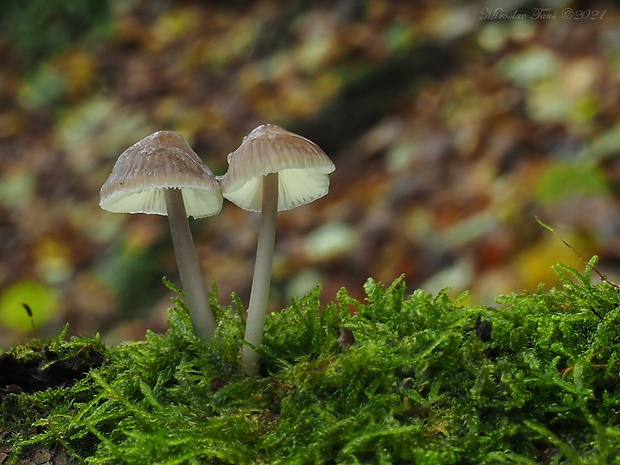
259,295
189,267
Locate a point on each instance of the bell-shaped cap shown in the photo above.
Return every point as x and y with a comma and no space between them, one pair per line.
301,165
163,160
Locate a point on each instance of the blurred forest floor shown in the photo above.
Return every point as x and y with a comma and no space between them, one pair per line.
451,128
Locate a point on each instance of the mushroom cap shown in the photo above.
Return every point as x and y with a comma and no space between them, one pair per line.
163,160
301,165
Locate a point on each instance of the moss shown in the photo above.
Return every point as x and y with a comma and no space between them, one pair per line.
396,378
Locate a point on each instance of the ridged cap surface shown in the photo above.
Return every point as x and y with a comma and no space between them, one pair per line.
163,160
301,165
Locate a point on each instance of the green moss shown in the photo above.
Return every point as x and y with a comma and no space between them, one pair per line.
396,378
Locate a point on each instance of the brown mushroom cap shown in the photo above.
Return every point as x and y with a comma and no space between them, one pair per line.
301,165
163,160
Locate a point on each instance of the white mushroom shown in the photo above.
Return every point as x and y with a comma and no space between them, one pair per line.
162,175
273,169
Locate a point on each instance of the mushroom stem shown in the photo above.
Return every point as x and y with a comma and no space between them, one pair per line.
189,267
259,294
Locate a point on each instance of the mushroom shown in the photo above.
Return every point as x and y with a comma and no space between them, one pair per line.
272,170
162,175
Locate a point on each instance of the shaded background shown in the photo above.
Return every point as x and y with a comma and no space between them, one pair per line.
452,125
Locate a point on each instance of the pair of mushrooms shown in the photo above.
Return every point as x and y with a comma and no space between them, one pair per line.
273,169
